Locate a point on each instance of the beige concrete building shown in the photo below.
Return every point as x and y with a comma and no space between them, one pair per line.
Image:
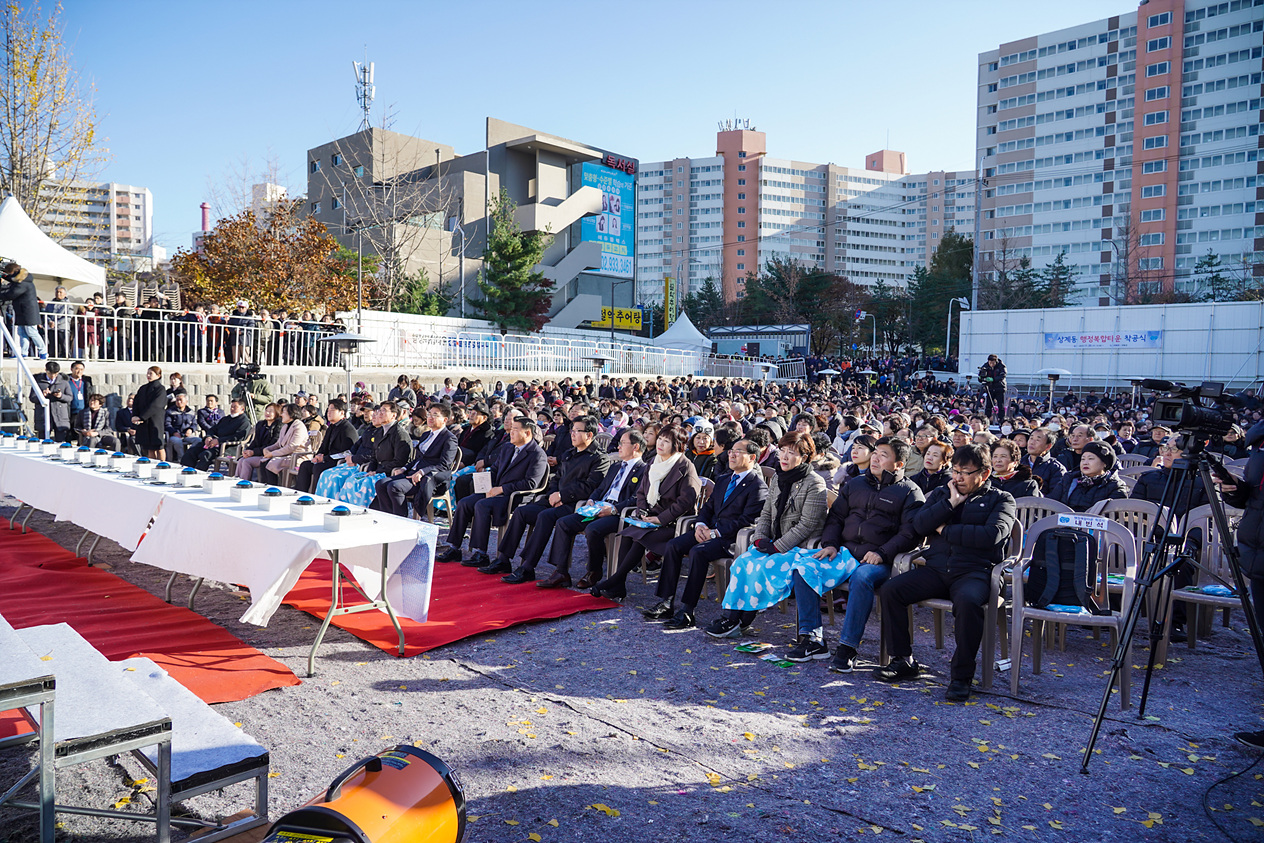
420,206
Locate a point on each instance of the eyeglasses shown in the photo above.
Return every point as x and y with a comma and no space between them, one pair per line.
956,472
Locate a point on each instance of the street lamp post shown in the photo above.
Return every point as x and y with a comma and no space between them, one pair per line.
874,348
680,264
965,303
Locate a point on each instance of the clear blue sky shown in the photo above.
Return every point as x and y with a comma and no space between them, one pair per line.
186,89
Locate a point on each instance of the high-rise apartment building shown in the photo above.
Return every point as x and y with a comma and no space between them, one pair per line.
108,224
725,216
1131,144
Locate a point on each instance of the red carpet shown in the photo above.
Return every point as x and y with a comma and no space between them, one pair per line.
463,603
44,583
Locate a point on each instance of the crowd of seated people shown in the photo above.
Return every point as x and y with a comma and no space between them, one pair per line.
684,473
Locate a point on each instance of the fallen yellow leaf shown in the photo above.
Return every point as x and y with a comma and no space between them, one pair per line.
534,836
750,736
552,823
1121,810
511,822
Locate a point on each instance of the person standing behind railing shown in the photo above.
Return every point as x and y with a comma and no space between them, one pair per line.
20,289
57,323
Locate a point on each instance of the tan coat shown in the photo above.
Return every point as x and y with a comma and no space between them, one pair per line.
293,438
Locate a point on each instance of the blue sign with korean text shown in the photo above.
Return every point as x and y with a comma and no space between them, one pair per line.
615,227
1117,339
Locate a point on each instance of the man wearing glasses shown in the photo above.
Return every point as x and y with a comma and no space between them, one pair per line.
427,473
580,469
967,523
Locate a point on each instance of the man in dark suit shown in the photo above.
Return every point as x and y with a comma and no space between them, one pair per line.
616,491
427,473
233,427
735,502
579,472
54,421
339,441
519,465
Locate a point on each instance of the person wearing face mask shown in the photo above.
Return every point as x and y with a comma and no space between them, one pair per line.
1009,474
1096,480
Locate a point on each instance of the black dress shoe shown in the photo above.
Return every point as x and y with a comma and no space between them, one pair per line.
478,559
452,554
681,620
559,579
607,589
518,577
500,566
587,581
663,611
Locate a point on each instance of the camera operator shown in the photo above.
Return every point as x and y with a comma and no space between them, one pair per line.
1249,496
250,386
992,379
19,288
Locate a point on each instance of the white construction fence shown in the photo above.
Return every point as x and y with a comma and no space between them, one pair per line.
1108,347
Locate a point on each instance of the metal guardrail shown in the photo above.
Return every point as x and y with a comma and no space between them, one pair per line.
180,337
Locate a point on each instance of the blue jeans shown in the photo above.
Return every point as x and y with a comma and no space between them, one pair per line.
860,590
30,334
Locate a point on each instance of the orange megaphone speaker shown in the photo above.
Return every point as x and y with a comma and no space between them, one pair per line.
401,795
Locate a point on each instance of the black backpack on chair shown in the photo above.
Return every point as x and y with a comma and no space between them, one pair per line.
1064,571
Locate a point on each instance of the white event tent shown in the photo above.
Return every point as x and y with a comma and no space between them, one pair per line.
49,263
683,335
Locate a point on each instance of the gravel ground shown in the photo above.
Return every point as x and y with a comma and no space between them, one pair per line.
585,728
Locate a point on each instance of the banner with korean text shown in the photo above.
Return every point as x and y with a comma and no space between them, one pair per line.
1126,339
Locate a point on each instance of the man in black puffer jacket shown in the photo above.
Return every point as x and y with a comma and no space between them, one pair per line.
968,524
1249,495
873,519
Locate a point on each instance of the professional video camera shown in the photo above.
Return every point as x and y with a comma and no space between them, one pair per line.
245,372
1202,410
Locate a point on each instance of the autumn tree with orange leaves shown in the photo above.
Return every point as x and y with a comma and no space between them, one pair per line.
285,260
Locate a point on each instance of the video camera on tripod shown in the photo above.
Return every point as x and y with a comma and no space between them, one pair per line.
245,372
1185,408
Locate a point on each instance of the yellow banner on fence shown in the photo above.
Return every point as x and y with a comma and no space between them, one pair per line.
625,318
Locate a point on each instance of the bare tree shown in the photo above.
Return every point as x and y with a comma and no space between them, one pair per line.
50,149
233,191
1132,282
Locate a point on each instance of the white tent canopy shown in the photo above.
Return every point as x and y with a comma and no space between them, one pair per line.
50,264
683,335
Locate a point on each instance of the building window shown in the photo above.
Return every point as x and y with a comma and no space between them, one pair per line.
1158,20
1155,239
359,171
1154,143
1159,166
741,223
741,168
741,196
679,226
315,207
1150,263
1158,43
741,238
1154,215
313,167
741,182
741,210
335,159
1158,69
936,181
1153,191
1159,93
680,169
741,155
680,212
680,240
1155,117
741,266
741,252
334,204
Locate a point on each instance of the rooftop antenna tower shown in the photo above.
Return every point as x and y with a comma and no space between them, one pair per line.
364,89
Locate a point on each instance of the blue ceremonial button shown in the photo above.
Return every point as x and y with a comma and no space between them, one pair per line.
189,470
163,465
118,454
143,460
340,510
84,449
215,475
306,499
100,451
272,491
244,484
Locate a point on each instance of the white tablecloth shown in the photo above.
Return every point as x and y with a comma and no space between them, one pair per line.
196,533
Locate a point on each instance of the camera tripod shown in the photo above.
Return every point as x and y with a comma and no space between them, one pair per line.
1164,553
